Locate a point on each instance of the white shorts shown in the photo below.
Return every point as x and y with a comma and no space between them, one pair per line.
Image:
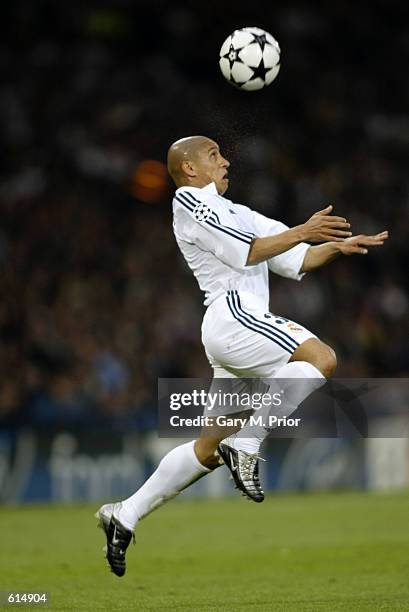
242,339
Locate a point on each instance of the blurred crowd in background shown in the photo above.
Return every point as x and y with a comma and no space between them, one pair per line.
95,301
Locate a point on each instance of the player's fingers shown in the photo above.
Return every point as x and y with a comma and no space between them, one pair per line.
332,219
370,241
381,236
335,232
353,249
324,211
376,239
335,221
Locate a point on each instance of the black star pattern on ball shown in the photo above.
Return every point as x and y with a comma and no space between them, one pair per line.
259,72
233,56
261,40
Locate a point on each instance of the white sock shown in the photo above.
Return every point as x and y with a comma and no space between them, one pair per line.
250,437
177,470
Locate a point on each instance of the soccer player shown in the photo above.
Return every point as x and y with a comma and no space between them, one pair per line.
230,250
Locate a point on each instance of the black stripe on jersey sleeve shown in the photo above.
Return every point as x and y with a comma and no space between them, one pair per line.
214,221
216,218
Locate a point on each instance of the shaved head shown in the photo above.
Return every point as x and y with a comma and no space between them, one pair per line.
197,161
184,150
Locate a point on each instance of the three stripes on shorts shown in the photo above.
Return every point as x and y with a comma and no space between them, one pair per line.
269,330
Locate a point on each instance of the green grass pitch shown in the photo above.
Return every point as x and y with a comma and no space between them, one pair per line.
322,552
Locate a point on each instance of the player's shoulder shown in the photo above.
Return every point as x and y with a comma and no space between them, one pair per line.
240,209
196,201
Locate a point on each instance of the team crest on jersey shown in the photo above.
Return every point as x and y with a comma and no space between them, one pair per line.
202,212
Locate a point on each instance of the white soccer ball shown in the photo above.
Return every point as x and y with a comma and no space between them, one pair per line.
250,58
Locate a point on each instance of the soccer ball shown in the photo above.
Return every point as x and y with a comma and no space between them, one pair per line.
250,58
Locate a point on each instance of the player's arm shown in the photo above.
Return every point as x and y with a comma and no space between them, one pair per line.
321,227
322,254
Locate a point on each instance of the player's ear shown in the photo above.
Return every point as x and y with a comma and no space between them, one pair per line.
188,168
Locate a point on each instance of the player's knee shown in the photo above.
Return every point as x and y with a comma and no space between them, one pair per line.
327,361
318,354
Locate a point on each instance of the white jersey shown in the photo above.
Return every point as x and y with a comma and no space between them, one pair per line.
214,236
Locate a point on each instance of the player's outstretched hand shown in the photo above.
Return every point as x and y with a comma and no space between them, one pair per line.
324,227
359,244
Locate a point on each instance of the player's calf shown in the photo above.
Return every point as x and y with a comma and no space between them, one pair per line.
206,446
206,452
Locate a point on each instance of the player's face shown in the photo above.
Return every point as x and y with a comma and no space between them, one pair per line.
213,167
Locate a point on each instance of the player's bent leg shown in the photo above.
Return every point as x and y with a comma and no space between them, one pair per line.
267,347
306,371
318,354
310,364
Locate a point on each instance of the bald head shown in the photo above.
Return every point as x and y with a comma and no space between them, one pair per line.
184,150
196,161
